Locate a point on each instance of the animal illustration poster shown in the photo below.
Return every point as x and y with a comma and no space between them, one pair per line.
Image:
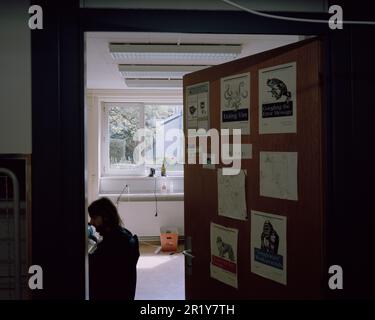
224,242
198,111
232,195
235,102
278,99
269,246
278,175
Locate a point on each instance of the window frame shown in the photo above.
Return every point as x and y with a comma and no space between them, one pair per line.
138,171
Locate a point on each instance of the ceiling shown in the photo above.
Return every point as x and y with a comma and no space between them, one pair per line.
102,71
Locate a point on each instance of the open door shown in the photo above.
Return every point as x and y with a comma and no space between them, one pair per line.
290,133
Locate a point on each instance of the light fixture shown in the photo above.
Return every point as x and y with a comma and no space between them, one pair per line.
165,52
153,83
157,71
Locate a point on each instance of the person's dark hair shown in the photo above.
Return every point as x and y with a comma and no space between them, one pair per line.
107,210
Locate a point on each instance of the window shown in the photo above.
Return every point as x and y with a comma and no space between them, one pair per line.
139,136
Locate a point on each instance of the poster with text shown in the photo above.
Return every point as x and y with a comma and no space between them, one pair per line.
232,195
277,99
268,246
235,102
198,111
278,175
224,244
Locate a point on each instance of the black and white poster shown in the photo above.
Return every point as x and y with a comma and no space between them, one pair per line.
224,243
198,110
235,102
277,99
268,246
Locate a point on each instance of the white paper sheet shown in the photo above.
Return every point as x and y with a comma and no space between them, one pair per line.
192,112
278,99
269,246
278,175
223,266
203,110
232,195
198,109
235,102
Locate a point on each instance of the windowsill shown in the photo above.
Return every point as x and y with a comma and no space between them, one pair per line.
122,177
143,188
140,197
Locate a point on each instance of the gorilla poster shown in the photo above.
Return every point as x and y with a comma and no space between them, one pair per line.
268,246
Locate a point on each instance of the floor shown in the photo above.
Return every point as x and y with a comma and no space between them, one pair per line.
160,275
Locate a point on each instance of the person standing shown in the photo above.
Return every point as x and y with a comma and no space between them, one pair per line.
112,266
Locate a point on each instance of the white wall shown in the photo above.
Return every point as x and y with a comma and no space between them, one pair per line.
138,216
15,77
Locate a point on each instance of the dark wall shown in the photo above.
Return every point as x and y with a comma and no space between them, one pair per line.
350,213
58,221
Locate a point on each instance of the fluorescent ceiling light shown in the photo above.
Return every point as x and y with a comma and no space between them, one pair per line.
157,71
153,83
174,52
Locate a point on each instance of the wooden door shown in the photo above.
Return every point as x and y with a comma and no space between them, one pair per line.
305,217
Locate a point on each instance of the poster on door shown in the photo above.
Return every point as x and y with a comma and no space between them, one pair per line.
277,99
268,246
278,175
198,111
232,195
223,265
235,102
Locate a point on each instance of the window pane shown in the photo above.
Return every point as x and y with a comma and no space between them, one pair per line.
123,123
161,119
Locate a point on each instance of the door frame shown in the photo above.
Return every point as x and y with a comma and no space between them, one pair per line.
58,119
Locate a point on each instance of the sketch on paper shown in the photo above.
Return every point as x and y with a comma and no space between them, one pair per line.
225,249
232,195
193,111
269,238
278,175
202,111
192,114
234,94
279,89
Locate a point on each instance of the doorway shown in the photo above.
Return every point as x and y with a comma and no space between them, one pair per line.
58,116
128,91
